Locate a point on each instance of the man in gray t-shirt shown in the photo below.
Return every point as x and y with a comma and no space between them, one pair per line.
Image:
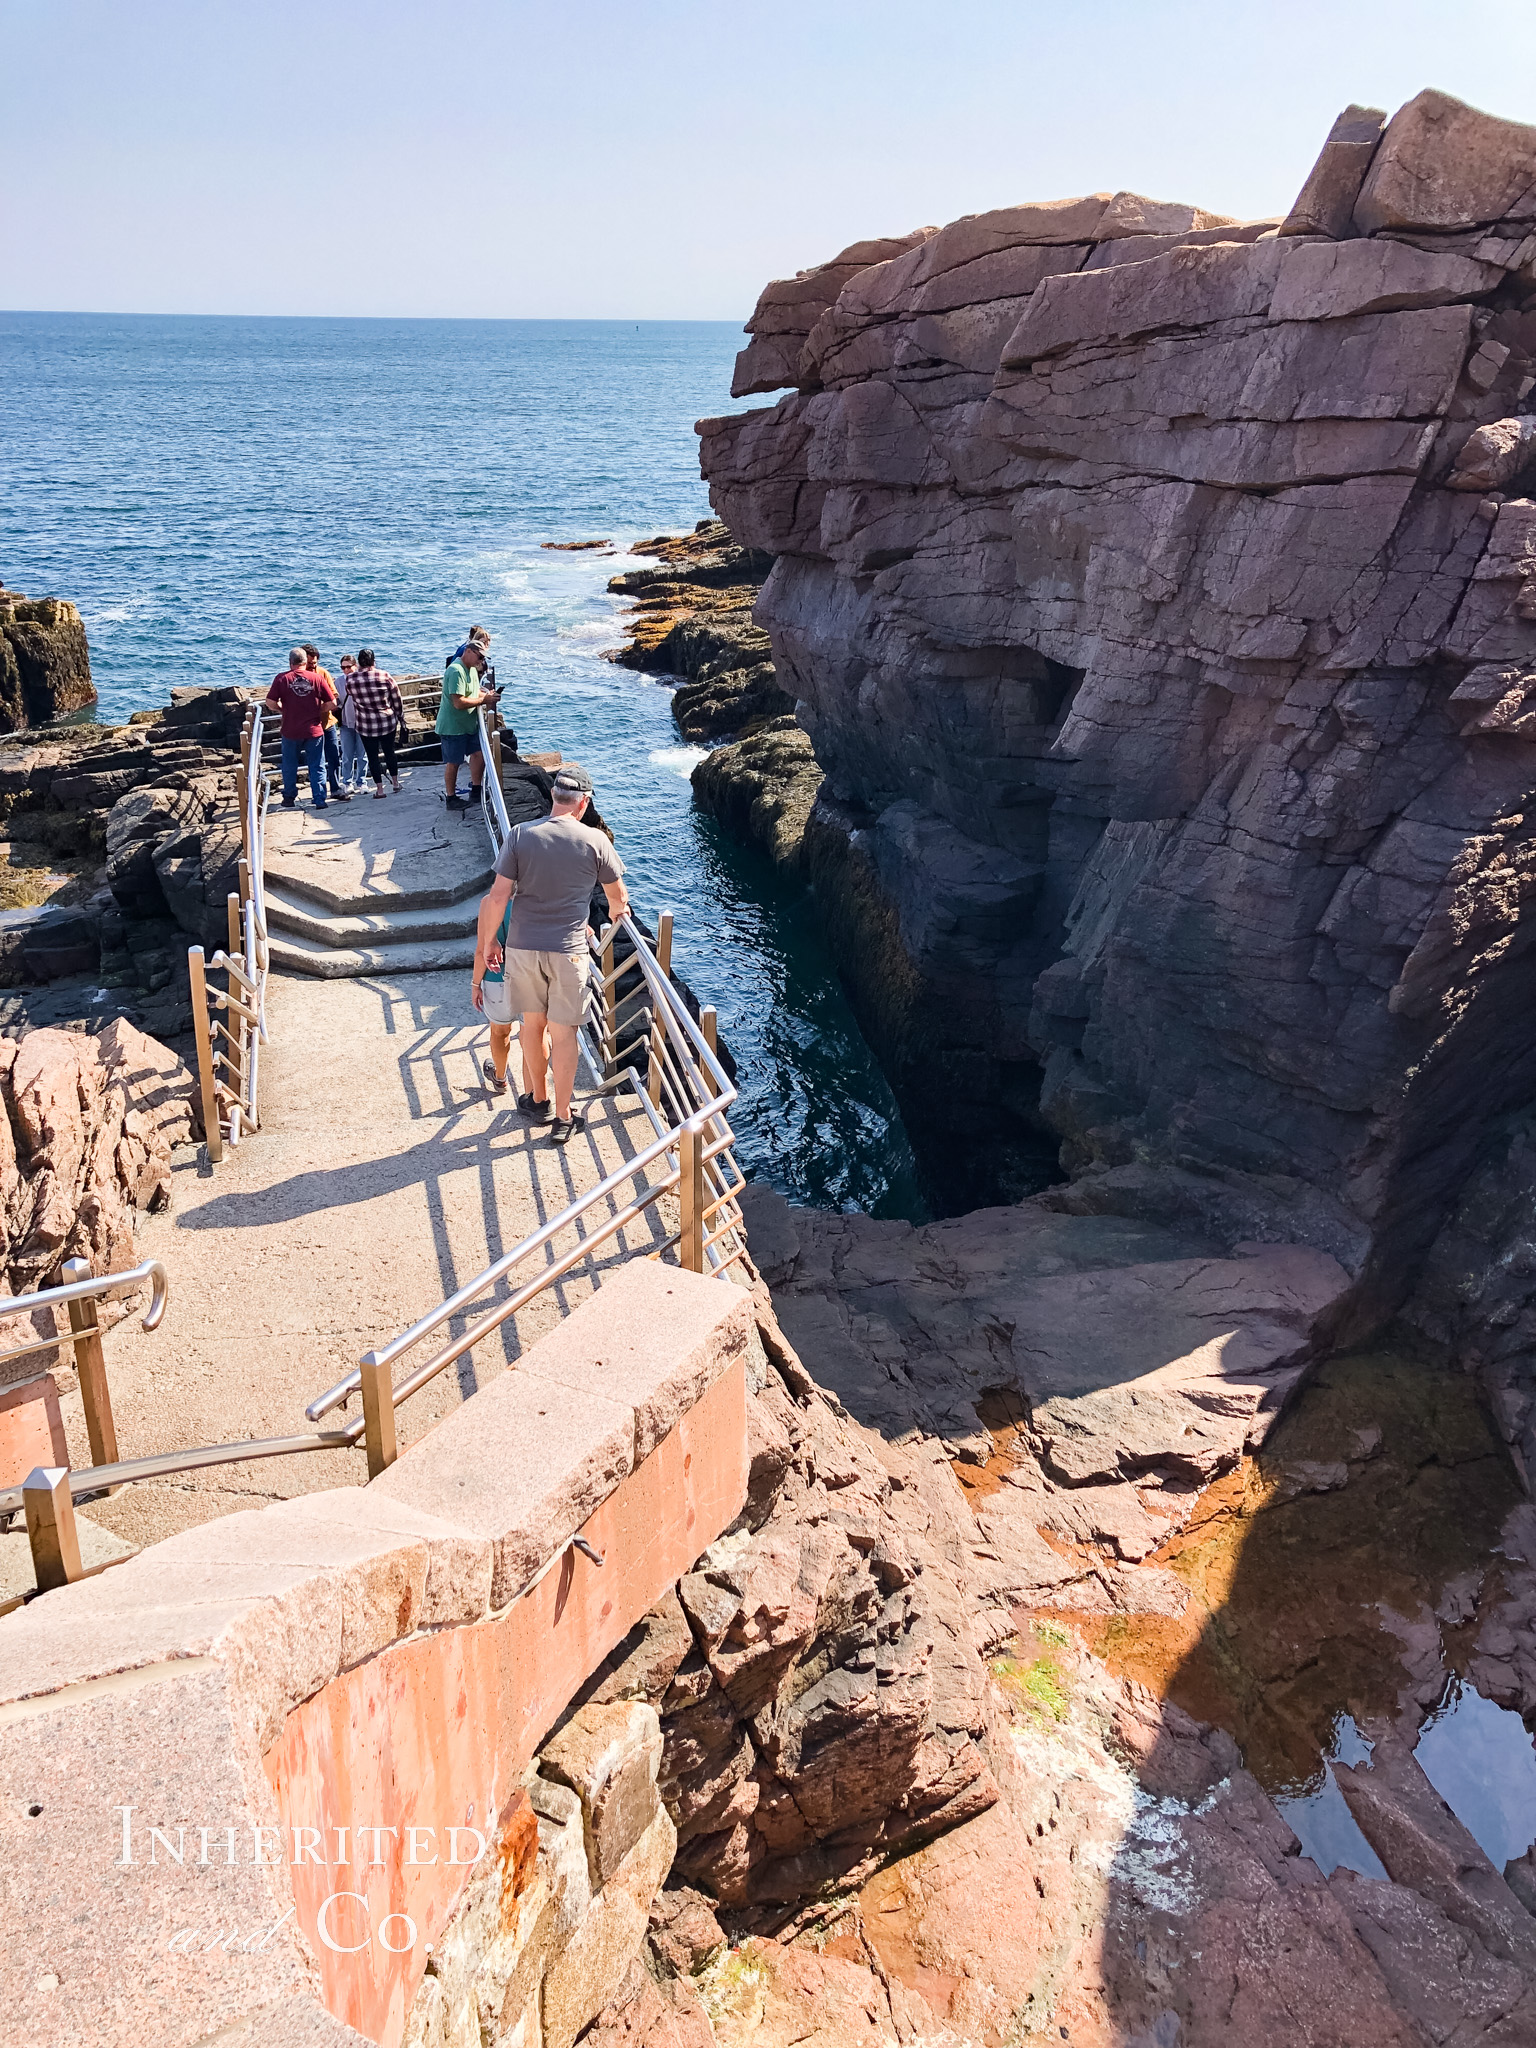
531,946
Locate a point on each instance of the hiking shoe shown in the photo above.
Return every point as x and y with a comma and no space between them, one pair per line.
341,796
496,1086
290,803
456,803
560,1130
536,1112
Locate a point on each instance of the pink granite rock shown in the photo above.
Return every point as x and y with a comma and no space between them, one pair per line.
1127,563
1443,165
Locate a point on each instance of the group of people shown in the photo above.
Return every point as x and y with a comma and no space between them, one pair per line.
531,954
334,725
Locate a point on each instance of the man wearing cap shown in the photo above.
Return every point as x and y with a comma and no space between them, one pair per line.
531,947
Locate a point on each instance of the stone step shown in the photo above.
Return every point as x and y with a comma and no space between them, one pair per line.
379,899
293,953
369,929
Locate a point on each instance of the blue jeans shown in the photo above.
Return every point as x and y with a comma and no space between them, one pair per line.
332,758
313,753
354,759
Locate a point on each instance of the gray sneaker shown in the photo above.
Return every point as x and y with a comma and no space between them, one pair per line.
497,1085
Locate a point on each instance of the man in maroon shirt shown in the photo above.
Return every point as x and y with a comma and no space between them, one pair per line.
302,696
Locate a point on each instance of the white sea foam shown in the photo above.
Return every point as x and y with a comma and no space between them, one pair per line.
681,760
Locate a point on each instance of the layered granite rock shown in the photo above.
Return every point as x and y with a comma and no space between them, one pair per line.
1159,594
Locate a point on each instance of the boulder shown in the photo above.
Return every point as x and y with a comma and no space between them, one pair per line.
46,942
1325,204
1443,166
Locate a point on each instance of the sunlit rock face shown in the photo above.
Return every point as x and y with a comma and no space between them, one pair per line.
1159,592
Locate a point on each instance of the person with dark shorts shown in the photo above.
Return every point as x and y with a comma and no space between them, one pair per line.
376,705
532,937
458,724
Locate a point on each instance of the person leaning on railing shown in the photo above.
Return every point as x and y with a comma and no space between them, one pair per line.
531,955
458,723
376,705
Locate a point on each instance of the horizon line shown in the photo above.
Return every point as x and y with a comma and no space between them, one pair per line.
441,319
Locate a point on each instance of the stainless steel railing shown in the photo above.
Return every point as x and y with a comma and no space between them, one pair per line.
230,1026
685,1093
637,1033
50,1515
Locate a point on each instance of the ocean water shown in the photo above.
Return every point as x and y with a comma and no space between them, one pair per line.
207,490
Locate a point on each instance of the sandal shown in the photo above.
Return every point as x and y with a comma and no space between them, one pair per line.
380,790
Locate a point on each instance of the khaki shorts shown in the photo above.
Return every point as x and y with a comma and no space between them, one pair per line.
552,985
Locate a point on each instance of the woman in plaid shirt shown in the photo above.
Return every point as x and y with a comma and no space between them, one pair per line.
380,715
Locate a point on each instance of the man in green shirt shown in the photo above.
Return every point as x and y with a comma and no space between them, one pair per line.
458,726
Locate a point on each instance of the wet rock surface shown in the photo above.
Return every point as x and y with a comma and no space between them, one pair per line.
693,618
1168,1674
1156,593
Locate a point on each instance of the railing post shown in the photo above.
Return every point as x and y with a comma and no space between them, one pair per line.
690,1196
709,1025
211,1132
664,943
378,1414
95,1395
243,779
496,749
610,998
50,1511
236,943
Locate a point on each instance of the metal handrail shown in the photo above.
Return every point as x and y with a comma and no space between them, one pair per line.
79,1293
244,965
686,1097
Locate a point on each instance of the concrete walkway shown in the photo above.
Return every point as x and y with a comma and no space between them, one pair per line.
385,885
384,1177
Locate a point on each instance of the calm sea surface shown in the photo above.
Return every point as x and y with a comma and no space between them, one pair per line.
206,490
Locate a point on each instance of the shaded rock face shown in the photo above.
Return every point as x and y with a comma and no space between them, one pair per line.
45,666
1160,597
822,1700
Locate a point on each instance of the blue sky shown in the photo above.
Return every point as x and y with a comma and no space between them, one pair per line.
661,161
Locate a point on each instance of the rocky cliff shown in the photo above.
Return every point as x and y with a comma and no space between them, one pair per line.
1159,594
45,667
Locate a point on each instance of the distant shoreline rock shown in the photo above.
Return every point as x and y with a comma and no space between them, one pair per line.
45,664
